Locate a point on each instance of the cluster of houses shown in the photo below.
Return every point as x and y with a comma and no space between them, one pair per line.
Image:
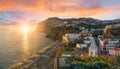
111,46
87,45
88,42
83,41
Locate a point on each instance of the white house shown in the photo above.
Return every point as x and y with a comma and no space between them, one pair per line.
71,37
114,51
78,45
93,49
87,40
100,37
111,51
107,43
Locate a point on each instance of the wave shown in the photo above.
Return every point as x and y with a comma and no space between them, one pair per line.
27,61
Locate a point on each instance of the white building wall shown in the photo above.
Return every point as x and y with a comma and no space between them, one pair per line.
111,52
81,45
72,37
110,45
93,49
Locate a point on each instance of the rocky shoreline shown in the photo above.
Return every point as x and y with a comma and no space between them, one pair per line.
40,59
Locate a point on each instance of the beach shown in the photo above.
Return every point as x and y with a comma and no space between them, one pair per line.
43,59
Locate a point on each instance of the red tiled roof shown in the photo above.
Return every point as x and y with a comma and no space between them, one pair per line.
119,49
105,41
84,54
113,49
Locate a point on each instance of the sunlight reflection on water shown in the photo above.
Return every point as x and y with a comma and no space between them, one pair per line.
16,46
25,44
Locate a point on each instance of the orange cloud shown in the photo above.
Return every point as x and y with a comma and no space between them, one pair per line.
73,8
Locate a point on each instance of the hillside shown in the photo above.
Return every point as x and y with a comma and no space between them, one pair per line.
48,24
52,22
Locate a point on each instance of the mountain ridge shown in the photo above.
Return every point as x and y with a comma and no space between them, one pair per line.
51,22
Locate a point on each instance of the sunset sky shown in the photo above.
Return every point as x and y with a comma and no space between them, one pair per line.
36,10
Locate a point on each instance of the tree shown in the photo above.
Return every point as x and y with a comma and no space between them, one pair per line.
101,62
107,31
115,31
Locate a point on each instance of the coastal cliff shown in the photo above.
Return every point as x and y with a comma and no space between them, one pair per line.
48,24
56,27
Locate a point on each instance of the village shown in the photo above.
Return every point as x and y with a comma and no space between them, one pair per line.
86,45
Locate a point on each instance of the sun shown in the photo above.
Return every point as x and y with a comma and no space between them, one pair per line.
25,28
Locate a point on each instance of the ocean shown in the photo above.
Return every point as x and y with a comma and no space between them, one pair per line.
16,46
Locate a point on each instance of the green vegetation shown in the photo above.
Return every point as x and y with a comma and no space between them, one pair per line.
44,26
48,24
115,31
100,62
56,27
94,26
96,33
69,46
107,31
59,52
92,65
57,32
90,59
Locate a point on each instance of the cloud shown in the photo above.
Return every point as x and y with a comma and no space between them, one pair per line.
16,16
72,8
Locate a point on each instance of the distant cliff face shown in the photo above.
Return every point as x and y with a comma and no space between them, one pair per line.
48,24
52,22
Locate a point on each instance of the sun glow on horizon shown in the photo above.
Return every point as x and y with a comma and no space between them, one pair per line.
25,28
